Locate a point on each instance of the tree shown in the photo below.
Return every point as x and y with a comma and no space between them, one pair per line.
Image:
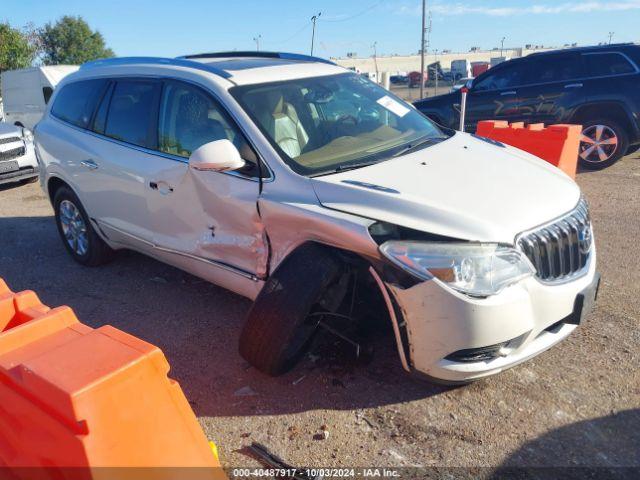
16,51
71,41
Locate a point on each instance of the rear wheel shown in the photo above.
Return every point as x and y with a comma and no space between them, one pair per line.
285,316
77,234
602,144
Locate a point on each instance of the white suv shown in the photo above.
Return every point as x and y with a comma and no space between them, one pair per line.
324,198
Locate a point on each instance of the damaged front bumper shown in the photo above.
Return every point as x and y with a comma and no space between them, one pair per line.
451,337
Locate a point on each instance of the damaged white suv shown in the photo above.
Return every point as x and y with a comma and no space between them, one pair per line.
326,200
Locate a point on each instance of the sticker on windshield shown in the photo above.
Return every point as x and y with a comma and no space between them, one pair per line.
393,106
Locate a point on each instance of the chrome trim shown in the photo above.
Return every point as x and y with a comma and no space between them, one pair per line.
222,265
554,247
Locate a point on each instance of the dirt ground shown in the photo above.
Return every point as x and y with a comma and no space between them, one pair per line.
575,405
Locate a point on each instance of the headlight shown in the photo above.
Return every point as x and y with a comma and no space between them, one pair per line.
27,135
472,268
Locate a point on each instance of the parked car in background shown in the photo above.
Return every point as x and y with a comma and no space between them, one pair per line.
25,93
17,158
461,69
461,83
596,87
478,68
416,77
399,79
325,199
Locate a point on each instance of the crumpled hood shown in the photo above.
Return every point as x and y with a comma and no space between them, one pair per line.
465,187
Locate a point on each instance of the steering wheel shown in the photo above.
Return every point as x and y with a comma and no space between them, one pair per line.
347,118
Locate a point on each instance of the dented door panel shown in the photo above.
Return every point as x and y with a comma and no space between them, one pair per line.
209,215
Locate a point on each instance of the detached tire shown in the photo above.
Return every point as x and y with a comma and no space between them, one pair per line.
604,142
278,331
76,231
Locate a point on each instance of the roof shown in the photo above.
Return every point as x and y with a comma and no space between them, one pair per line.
240,68
593,48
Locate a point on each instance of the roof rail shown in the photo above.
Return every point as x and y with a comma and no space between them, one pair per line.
179,62
243,54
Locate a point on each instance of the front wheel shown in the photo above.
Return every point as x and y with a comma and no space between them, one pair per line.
77,234
603,143
285,316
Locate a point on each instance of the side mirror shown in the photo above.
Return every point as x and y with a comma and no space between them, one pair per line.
218,156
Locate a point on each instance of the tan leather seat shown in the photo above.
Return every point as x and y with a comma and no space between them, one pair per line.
283,124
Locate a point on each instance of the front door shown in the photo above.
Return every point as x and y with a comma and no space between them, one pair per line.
494,96
553,88
203,218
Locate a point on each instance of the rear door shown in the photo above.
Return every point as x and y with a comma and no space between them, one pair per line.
494,96
554,87
116,172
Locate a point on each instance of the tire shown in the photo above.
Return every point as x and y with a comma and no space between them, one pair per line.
278,331
72,218
633,149
599,153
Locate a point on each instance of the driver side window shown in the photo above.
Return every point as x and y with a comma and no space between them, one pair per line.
506,77
190,118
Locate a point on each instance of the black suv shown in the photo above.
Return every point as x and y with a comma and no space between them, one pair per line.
597,87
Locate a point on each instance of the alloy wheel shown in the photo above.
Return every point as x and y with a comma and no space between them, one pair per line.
598,143
73,227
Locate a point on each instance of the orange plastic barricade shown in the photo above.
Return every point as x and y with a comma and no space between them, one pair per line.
557,144
72,396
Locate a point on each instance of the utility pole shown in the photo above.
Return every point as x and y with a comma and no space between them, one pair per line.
502,45
437,69
313,32
257,40
375,60
424,18
611,36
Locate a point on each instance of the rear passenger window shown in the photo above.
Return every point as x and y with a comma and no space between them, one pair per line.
554,69
605,64
76,101
131,112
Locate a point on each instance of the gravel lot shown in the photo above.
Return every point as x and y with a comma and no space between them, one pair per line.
576,405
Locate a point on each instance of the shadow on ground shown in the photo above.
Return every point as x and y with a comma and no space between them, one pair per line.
604,447
197,325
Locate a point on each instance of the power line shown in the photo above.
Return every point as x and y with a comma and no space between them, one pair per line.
370,7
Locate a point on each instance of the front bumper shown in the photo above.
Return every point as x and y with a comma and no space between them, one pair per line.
529,316
19,168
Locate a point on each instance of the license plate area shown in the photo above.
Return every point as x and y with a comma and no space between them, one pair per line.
6,167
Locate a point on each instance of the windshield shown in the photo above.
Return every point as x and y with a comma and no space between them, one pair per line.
325,124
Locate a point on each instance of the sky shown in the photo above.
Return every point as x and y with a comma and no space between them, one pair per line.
172,28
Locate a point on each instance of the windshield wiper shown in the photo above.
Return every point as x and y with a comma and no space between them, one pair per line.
412,147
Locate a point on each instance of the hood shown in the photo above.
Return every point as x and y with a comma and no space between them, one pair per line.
465,187
9,130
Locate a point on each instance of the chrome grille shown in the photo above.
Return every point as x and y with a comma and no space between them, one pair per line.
560,250
11,147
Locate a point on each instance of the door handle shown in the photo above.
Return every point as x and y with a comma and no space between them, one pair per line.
162,187
510,92
90,164
573,85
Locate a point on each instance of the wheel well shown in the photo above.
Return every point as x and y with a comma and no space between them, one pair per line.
611,110
357,267
53,185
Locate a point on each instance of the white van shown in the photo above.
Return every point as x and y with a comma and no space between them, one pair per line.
460,69
25,93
